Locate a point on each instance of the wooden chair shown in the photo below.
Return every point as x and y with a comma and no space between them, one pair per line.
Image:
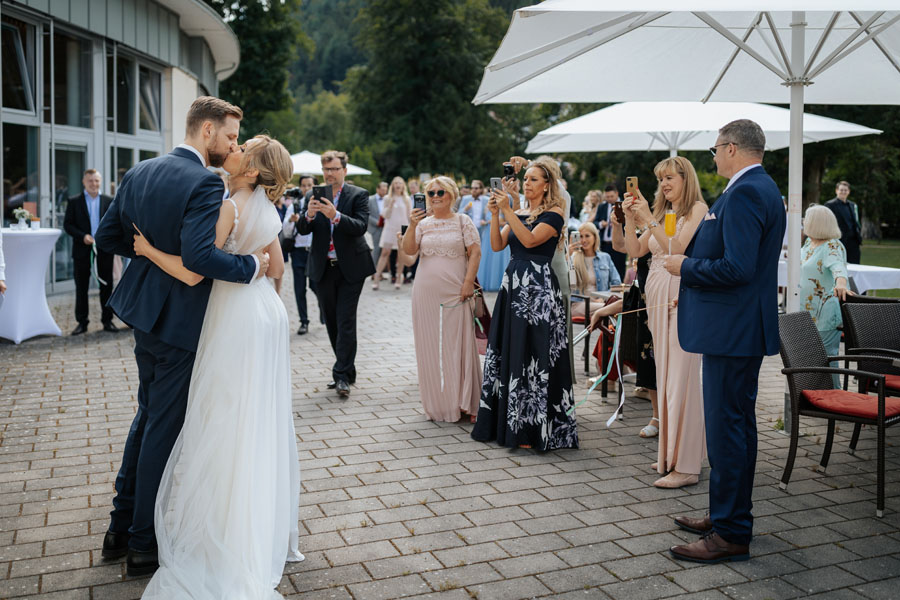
812,393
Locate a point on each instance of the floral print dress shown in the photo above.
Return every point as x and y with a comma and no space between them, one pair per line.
527,384
819,268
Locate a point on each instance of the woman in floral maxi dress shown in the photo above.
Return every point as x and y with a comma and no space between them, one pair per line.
527,386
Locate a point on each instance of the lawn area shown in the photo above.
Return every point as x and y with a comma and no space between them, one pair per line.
884,253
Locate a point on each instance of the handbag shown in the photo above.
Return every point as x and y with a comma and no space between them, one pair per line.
480,310
287,243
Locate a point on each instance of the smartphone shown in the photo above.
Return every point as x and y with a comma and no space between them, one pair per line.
508,171
419,201
496,183
403,229
322,191
620,214
296,208
574,238
631,185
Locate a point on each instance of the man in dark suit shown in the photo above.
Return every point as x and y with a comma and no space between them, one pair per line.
174,200
605,227
339,261
728,312
83,214
847,214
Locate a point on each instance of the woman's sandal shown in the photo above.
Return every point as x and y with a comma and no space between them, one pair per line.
650,430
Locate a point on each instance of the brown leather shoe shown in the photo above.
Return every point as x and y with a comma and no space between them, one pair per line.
695,525
711,549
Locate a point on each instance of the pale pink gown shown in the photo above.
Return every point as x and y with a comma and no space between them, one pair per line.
682,433
439,278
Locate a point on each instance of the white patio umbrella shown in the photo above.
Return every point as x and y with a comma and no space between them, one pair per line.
310,163
673,126
740,50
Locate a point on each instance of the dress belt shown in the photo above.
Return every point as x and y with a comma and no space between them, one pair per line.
538,258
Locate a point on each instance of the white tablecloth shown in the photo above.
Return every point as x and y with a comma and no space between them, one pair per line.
24,312
866,277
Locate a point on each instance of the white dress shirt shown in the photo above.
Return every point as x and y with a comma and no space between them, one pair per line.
287,230
737,175
2,261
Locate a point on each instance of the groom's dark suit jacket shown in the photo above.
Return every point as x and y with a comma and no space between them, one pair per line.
174,200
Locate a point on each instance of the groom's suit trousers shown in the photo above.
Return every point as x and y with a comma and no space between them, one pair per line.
164,374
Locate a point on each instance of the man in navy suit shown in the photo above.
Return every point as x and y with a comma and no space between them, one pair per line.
83,214
174,200
728,312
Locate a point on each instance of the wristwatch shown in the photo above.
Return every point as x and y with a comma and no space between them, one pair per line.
652,224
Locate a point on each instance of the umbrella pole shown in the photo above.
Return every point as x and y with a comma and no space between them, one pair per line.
673,152
795,177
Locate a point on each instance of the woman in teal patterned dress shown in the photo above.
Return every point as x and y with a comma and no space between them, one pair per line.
824,277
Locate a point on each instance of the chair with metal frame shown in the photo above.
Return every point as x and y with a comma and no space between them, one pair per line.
812,393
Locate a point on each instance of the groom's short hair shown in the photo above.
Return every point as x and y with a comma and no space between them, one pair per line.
209,108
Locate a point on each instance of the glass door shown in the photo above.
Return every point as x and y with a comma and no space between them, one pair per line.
70,164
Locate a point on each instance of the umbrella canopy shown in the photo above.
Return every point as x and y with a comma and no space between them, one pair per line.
672,126
310,163
619,50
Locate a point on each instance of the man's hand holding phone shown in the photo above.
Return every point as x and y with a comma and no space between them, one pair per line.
327,208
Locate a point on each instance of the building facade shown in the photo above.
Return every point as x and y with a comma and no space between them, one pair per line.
97,84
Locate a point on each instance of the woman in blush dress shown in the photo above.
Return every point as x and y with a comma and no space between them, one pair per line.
526,397
442,307
396,214
682,436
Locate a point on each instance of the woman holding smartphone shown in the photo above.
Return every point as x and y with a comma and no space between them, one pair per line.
682,436
442,308
527,387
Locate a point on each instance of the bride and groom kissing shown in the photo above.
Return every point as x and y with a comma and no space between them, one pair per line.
207,495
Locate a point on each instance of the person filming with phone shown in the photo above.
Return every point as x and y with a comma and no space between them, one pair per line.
443,293
678,209
339,260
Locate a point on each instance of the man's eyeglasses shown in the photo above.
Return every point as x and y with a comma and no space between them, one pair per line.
433,193
332,169
712,149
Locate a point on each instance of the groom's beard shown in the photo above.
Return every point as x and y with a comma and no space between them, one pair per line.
216,159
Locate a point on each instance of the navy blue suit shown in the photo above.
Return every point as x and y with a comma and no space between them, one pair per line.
175,202
728,312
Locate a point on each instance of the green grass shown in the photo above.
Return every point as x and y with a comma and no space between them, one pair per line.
884,253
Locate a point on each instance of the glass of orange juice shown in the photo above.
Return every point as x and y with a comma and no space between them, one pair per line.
669,224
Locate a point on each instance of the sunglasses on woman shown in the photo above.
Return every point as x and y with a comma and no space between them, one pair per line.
433,193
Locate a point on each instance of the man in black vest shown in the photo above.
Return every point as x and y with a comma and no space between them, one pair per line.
847,214
339,261
83,215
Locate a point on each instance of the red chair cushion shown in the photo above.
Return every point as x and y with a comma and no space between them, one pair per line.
892,382
576,319
851,403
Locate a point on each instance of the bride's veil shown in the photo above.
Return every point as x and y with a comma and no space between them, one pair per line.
258,224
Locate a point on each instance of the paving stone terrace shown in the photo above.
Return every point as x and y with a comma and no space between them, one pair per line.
396,506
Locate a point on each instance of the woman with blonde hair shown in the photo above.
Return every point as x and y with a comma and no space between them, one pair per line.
397,207
527,389
449,249
682,437
594,270
227,508
823,279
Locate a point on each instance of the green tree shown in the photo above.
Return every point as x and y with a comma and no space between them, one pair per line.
413,96
332,26
270,38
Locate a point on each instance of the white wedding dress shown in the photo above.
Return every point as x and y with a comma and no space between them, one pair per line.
227,509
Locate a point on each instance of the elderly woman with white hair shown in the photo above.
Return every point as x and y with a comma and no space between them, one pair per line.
442,308
823,278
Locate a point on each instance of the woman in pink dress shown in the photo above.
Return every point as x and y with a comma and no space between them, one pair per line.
682,435
442,307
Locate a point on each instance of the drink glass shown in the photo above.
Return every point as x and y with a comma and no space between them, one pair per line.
669,224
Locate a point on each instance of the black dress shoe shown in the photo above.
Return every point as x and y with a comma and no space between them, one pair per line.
108,326
82,327
331,385
343,388
115,545
304,329
141,562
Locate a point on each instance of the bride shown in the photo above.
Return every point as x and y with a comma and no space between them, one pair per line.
227,509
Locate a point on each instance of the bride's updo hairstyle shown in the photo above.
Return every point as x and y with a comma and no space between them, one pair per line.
273,162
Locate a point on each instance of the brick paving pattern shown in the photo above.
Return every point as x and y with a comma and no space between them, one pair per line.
396,506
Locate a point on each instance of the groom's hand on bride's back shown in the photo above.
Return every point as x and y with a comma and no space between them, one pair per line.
263,257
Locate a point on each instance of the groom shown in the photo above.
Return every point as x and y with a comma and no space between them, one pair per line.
728,312
175,201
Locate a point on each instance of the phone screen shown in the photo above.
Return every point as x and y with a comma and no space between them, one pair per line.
419,201
403,229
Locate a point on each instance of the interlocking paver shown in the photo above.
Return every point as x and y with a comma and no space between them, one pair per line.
395,506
